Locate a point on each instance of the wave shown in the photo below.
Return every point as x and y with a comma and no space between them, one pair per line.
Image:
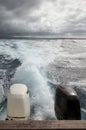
41,64
7,70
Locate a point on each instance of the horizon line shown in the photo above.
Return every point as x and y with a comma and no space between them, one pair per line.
37,37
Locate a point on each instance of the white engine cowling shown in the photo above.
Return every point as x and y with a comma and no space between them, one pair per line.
18,102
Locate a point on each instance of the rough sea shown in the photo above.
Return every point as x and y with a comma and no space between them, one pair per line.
42,64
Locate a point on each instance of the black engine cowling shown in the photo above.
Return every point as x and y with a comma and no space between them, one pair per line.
67,105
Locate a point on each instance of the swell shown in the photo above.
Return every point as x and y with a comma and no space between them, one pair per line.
8,68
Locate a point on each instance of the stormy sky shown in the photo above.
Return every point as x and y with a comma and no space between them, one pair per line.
42,17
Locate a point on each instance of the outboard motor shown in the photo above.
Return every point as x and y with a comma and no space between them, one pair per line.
67,105
18,104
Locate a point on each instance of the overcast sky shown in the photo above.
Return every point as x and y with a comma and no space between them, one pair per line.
42,17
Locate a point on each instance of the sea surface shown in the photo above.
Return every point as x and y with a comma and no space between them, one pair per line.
42,64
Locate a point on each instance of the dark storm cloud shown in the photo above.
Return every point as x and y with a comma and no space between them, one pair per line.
12,13
19,17
13,4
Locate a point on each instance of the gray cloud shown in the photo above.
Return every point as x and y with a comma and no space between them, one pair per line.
19,17
13,4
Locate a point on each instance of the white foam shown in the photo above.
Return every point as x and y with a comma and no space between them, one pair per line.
84,110
81,83
39,89
35,55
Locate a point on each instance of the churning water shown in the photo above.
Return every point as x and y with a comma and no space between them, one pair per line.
41,64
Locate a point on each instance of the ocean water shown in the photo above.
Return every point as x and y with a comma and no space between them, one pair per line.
41,65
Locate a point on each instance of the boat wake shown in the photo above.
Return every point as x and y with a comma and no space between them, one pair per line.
41,65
